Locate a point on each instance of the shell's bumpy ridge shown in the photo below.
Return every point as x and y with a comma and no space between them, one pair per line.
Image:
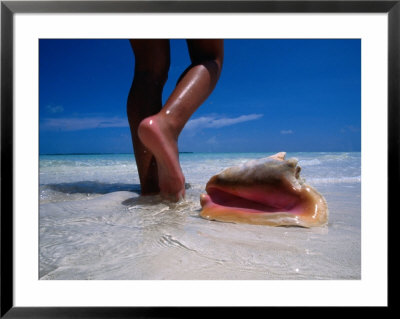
267,191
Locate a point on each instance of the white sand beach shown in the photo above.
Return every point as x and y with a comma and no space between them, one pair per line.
94,224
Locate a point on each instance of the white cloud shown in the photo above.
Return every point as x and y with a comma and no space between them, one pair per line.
85,123
55,109
82,123
286,132
215,122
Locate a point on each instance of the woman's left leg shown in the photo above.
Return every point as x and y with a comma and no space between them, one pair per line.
152,60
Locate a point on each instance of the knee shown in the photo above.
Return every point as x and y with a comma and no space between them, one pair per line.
213,65
217,64
212,62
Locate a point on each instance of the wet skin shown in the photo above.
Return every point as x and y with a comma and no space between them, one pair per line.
155,128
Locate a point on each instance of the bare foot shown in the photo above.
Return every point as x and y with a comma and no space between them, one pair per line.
155,135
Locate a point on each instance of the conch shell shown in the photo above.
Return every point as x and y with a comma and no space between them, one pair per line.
266,191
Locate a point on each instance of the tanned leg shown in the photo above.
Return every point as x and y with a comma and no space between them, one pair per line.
160,132
152,60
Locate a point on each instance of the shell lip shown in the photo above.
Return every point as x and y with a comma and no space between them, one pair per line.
253,200
267,191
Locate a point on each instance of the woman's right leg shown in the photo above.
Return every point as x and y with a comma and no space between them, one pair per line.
152,60
161,131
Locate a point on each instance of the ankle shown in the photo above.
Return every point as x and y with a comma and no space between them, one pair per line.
168,126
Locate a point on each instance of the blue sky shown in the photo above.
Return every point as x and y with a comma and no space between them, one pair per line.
273,95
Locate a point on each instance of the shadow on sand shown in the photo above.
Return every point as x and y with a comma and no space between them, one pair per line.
92,187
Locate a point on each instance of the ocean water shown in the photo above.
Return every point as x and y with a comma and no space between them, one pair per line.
94,225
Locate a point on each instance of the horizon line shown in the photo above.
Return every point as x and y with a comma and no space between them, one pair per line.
124,153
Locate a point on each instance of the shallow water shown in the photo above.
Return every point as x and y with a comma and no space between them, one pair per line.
94,225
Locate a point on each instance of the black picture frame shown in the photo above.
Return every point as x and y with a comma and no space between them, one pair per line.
9,8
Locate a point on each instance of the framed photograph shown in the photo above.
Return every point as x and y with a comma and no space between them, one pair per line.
277,192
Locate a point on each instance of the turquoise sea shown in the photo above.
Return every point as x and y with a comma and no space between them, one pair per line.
94,224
